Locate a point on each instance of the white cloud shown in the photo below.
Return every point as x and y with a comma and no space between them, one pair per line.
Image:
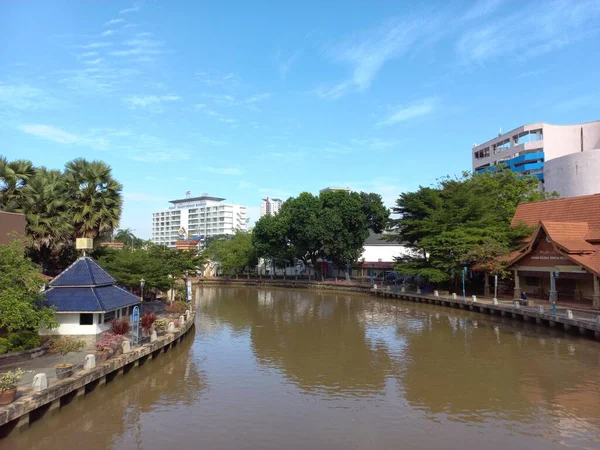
94,61
482,8
368,52
113,22
416,109
136,7
87,54
286,64
212,113
228,80
135,102
24,97
530,31
50,133
107,33
139,47
96,45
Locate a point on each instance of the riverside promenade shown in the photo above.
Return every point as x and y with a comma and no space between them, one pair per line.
33,403
585,322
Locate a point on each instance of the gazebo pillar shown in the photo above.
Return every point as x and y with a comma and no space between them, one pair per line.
517,291
596,296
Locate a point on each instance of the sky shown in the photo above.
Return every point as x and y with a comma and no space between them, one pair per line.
249,99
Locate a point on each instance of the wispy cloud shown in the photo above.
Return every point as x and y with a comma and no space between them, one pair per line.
107,33
530,31
212,113
140,47
368,52
136,7
145,101
221,170
96,45
99,79
286,63
114,22
87,54
416,109
228,80
50,133
24,97
482,8
94,61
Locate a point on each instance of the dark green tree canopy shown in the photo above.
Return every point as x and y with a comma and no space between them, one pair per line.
462,221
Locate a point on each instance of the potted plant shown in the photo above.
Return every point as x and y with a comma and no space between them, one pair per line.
64,346
8,386
147,322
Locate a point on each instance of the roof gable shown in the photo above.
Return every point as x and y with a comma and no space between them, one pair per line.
83,272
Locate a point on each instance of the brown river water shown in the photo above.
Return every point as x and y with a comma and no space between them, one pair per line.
293,369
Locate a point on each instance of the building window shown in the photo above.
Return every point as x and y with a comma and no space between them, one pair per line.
109,316
532,281
86,319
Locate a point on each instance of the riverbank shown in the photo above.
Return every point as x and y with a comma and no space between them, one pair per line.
339,285
31,406
581,322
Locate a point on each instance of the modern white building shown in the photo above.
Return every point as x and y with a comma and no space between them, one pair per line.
270,206
332,188
197,217
564,158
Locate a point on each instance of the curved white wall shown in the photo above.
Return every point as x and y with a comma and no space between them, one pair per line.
573,175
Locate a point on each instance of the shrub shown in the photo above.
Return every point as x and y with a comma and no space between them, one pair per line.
161,324
120,326
107,340
9,380
66,345
147,320
23,340
4,346
177,308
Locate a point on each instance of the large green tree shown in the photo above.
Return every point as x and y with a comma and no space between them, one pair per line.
20,297
95,198
270,240
13,176
233,254
461,221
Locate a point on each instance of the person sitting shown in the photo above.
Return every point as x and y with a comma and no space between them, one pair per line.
523,296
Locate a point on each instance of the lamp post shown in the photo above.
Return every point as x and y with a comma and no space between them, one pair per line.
142,284
372,275
464,272
347,272
553,277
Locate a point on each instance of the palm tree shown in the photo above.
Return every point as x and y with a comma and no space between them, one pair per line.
45,204
96,201
13,176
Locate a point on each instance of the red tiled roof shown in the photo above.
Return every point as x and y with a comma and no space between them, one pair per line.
573,225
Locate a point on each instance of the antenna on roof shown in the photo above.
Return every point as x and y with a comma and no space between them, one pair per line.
500,132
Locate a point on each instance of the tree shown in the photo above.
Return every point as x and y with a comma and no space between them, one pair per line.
21,302
462,221
270,240
347,218
95,198
44,203
234,254
129,240
13,176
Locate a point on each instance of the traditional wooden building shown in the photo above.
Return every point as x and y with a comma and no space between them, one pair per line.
561,259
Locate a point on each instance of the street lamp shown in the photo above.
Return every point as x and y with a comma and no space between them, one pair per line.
464,272
372,275
553,277
142,284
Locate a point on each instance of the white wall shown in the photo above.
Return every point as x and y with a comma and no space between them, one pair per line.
385,253
573,175
561,140
69,325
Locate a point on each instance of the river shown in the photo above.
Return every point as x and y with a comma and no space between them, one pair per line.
294,369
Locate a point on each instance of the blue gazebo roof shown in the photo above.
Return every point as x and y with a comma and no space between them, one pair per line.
84,286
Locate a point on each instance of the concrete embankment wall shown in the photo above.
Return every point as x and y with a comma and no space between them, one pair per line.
34,405
289,284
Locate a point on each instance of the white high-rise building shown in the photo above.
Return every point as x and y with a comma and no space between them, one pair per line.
192,217
270,206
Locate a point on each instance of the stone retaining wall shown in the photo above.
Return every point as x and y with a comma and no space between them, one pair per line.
17,415
289,284
25,355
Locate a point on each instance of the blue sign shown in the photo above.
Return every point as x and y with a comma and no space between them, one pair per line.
135,325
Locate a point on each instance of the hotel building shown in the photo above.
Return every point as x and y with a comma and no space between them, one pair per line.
196,217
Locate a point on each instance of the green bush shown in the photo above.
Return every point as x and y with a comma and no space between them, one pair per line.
4,346
23,340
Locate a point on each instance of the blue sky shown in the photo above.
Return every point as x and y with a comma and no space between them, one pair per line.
251,99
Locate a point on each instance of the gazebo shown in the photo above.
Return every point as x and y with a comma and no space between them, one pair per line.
87,299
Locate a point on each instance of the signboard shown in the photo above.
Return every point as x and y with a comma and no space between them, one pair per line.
545,255
188,205
135,325
188,290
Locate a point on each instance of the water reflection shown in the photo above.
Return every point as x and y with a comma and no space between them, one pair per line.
117,414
